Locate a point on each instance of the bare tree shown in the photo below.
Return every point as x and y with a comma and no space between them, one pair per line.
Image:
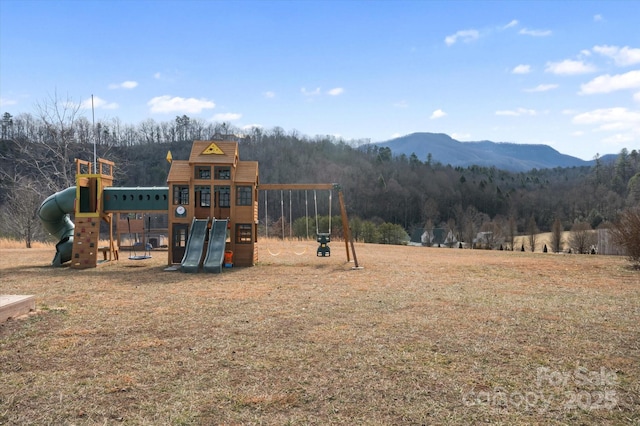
18,215
148,130
626,233
582,237
430,210
7,126
53,158
556,236
470,225
532,232
428,228
451,232
511,232
493,235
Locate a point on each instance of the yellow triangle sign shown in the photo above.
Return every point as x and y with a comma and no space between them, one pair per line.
213,149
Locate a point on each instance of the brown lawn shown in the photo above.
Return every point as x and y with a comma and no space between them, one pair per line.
419,336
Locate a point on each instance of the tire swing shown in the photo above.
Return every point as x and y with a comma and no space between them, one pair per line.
147,250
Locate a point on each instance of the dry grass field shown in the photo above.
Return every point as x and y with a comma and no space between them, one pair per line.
419,336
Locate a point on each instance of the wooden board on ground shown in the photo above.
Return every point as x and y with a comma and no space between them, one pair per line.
13,305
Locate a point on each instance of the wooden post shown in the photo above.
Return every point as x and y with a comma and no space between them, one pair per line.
353,249
345,223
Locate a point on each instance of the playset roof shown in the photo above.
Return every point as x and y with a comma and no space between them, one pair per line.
214,152
180,171
247,172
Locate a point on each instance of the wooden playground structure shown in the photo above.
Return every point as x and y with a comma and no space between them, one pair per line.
211,206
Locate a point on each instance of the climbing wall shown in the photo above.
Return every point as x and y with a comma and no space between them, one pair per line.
85,243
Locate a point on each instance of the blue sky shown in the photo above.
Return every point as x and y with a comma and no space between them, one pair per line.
562,73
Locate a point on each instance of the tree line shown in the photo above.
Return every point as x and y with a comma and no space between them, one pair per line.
37,153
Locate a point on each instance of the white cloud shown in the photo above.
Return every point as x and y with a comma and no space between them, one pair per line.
542,88
336,91
157,76
611,83
401,104
622,56
569,67
437,114
306,92
624,122
98,103
619,139
535,33
513,23
395,135
4,102
597,18
517,112
168,104
636,96
577,133
124,85
521,69
269,94
227,116
466,36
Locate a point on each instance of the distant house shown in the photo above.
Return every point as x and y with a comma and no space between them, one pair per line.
416,237
438,237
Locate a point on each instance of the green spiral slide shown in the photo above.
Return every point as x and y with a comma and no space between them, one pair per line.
54,215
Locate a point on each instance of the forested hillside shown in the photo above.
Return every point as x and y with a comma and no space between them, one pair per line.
36,159
508,156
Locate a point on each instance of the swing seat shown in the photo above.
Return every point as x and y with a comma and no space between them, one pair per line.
140,257
323,249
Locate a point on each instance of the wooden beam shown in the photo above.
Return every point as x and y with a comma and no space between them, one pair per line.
295,186
346,230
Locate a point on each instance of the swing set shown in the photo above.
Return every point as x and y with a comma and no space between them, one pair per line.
323,238
147,248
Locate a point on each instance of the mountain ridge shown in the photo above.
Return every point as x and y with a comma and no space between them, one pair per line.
509,156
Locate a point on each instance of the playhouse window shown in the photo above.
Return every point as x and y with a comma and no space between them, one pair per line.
243,197
180,238
180,194
223,173
203,172
243,233
224,196
205,195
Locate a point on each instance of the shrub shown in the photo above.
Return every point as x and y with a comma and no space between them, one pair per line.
391,233
582,237
626,233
